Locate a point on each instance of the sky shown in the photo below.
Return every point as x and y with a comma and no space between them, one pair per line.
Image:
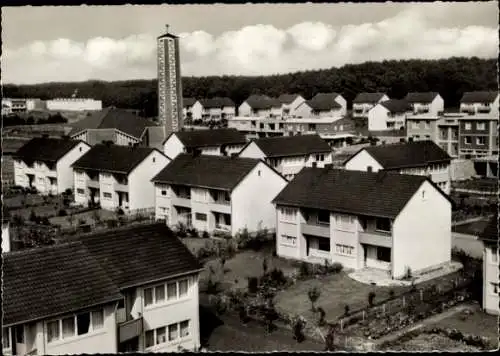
77,43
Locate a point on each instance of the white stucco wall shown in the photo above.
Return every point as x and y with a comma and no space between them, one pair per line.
361,161
303,110
252,210
490,275
173,146
422,232
252,151
377,118
244,109
5,238
342,102
65,178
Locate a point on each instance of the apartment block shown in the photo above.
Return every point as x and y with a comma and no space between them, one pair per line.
422,158
480,102
323,105
425,103
478,136
118,177
388,115
289,154
126,290
192,109
364,220
45,164
364,102
217,109
217,194
489,237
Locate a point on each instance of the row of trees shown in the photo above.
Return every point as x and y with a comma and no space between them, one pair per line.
13,120
450,77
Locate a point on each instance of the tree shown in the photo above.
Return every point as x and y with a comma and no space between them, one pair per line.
71,219
313,295
330,340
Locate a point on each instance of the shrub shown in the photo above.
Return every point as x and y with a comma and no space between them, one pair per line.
274,279
346,310
181,230
391,294
120,211
68,191
371,298
313,294
408,273
298,329
33,216
304,270
205,234
212,286
336,267
253,285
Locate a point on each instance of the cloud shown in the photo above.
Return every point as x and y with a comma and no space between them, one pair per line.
251,50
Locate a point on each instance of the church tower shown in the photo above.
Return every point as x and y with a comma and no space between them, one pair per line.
169,83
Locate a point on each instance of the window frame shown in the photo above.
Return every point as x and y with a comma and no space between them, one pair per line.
285,240
166,300
60,327
380,254
106,197
377,226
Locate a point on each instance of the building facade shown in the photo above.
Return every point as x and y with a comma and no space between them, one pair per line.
480,102
388,115
73,104
429,103
489,238
478,136
323,105
363,102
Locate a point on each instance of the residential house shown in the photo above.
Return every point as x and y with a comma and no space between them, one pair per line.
489,237
45,163
425,103
218,142
480,102
478,136
388,115
122,127
423,158
363,102
217,194
323,105
384,221
261,106
192,109
289,103
289,154
118,177
126,290
217,108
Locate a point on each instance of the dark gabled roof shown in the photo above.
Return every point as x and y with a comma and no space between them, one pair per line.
324,102
45,149
113,118
368,98
421,97
406,154
216,102
479,97
262,102
292,145
113,158
207,138
381,194
396,105
215,172
44,282
141,254
490,233
154,137
187,102
287,98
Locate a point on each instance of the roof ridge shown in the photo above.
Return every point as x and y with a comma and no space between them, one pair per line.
30,250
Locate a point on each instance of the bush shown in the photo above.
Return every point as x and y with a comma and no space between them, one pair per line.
192,232
274,279
212,286
304,270
62,212
298,326
33,216
346,310
181,230
205,235
313,294
391,294
371,298
253,285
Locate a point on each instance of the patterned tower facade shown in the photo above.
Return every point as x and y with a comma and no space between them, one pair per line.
169,83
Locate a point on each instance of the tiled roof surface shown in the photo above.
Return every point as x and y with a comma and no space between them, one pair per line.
396,105
137,255
287,98
426,97
479,97
324,102
187,102
206,171
206,138
216,102
113,118
490,232
154,136
262,102
45,149
379,194
407,154
113,158
43,282
368,98
292,145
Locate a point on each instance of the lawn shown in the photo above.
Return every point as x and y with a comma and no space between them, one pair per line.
336,291
88,216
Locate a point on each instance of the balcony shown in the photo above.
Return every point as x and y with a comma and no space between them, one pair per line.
222,228
422,111
182,200
120,187
93,183
130,329
315,229
376,238
483,109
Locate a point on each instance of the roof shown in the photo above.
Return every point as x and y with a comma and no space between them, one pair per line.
262,102
113,118
45,149
368,98
421,97
187,102
30,278
396,105
141,254
287,98
490,232
292,145
206,138
155,135
216,102
479,97
324,102
406,154
215,172
380,194
168,34
113,158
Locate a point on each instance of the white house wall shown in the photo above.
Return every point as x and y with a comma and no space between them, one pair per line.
422,232
490,275
65,178
303,110
244,109
173,146
361,161
251,199
342,102
252,151
377,118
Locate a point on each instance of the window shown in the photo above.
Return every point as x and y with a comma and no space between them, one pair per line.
289,240
172,290
201,217
467,140
161,335
184,326
369,169
154,159
150,338
68,327
107,195
344,249
148,296
80,191
324,217
159,293
427,137
173,332
83,323
320,158
494,255
5,338
287,214
53,331
163,192
415,124
468,126
481,140
384,254
324,244
97,319
427,124
383,224
494,288
183,288
423,194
